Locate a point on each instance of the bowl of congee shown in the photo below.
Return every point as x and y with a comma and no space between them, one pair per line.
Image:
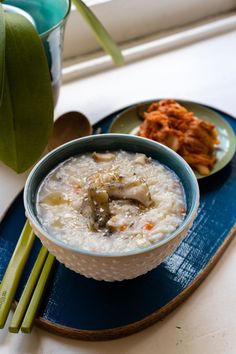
111,206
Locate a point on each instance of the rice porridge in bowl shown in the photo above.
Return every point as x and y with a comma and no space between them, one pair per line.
111,202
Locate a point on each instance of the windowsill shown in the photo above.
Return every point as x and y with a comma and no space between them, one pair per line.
145,47
129,20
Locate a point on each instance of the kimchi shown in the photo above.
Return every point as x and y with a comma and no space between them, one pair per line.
173,125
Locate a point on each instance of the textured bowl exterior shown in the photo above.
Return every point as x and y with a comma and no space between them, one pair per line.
112,267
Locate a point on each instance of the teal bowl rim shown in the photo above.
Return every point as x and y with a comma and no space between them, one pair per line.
32,218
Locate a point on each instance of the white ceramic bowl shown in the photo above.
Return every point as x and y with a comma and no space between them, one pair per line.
112,266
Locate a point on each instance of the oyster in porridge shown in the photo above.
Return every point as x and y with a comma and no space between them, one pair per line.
111,202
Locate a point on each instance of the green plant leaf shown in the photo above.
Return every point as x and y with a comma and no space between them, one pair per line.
2,51
26,113
100,32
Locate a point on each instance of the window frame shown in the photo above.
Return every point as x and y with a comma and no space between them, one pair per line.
150,17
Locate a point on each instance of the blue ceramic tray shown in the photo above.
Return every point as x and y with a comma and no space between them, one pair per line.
82,308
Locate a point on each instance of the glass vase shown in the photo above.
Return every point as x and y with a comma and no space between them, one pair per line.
50,18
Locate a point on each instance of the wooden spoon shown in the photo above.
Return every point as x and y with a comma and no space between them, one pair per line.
71,125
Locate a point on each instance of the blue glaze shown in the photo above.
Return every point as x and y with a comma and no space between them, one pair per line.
72,300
